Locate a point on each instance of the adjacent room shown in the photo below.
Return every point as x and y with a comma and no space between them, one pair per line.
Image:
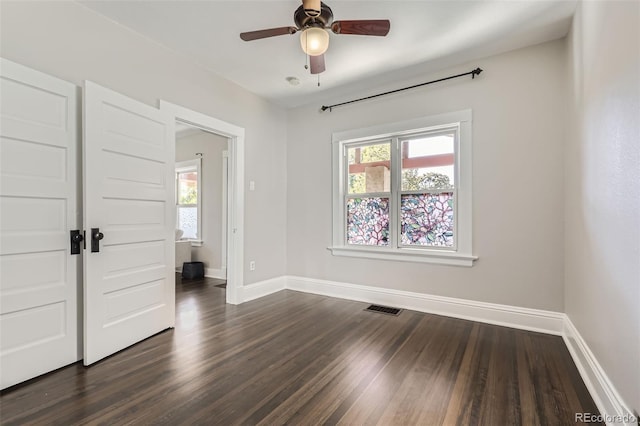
305,212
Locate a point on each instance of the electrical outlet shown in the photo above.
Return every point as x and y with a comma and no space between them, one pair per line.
252,265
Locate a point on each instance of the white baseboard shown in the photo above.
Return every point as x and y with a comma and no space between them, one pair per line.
210,272
600,387
262,288
510,316
215,273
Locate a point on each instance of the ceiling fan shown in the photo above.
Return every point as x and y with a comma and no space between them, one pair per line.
314,18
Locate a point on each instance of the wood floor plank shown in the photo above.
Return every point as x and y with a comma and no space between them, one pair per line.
295,358
417,381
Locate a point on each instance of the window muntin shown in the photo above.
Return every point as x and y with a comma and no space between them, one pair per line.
428,161
368,168
188,188
429,194
368,193
423,208
188,199
188,222
368,221
428,220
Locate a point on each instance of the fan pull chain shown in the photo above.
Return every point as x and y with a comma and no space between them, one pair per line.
306,42
318,80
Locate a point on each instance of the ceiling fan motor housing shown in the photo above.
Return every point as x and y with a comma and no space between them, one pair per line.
303,20
311,7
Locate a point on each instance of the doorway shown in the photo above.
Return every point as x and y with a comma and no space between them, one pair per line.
234,213
201,204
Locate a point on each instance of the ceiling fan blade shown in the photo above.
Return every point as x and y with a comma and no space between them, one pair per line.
372,27
317,64
271,32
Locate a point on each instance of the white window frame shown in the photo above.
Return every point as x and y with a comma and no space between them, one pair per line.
188,166
461,253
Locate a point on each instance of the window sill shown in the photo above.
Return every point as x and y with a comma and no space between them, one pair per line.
406,255
194,243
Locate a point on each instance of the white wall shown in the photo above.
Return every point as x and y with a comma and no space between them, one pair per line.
602,202
211,146
519,117
71,42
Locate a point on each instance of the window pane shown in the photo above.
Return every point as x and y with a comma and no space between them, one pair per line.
427,162
188,188
427,219
368,221
369,168
188,222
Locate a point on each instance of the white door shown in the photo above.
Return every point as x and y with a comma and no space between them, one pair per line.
129,284
38,209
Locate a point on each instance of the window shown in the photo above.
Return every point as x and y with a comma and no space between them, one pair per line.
403,191
188,200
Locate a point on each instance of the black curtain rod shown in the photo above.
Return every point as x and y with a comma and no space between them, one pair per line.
473,74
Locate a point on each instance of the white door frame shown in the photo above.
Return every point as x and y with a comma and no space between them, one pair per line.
225,210
235,188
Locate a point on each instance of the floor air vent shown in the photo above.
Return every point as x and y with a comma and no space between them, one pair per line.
383,310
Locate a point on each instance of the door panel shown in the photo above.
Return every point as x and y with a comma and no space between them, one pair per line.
38,208
128,192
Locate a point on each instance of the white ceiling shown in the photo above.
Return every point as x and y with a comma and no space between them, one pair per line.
425,36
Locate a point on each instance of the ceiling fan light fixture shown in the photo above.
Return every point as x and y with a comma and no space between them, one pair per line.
312,8
314,41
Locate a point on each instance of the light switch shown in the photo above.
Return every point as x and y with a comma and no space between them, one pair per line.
252,185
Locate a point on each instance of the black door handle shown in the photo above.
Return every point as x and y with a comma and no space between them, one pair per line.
96,236
76,239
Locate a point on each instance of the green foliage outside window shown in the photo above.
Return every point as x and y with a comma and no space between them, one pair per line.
412,180
189,195
371,153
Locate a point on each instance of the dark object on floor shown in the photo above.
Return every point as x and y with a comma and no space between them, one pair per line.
222,285
192,270
383,310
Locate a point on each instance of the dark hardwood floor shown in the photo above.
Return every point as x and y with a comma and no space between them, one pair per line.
303,359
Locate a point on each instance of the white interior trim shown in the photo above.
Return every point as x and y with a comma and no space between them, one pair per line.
263,288
215,273
491,313
604,394
406,255
461,254
235,208
225,207
509,316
